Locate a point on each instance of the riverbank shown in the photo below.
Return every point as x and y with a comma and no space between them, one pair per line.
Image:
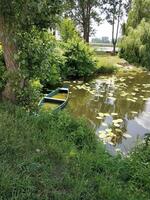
108,64
58,157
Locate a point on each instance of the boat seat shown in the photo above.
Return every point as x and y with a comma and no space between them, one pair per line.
50,98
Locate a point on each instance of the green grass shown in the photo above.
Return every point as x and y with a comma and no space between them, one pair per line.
55,157
107,64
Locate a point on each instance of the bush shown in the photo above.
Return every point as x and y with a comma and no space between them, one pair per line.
79,61
40,59
39,56
106,70
53,156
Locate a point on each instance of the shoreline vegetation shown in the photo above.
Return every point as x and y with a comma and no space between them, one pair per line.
55,156
58,157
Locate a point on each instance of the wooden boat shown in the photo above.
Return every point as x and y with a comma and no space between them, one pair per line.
55,100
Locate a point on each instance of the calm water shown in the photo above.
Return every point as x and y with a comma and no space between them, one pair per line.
118,107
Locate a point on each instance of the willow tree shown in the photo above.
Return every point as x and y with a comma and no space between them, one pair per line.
19,16
140,10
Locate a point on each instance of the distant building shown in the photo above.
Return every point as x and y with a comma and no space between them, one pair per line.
103,39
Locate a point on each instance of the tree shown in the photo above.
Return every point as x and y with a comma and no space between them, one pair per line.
67,29
114,12
127,6
140,9
17,17
83,12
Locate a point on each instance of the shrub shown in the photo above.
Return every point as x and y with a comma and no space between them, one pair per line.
106,70
39,56
79,61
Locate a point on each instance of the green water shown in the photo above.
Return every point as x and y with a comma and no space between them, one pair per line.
117,107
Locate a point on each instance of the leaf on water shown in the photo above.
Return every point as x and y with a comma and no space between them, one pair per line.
102,134
134,112
110,134
111,143
101,114
106,114
123,94
133,100
133,93
117,121
122,79
118,130
118,150
145,99
108,130
136,89
112,98
104,124
117,125
98,117
92,92
130,77
127,135
110,94
114,114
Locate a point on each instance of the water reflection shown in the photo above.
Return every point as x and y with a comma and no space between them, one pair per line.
107,99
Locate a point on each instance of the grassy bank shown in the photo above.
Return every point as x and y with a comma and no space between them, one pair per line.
107,64
56,157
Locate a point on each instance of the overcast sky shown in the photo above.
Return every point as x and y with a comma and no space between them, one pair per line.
104,29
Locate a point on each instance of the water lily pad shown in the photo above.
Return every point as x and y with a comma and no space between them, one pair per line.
117,125
98,117
106,114
118,130
102,134
101,114
104,124
108,130
134,112
127,135
114,114
133,93
117,121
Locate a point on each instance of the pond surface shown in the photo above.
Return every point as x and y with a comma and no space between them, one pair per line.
118,107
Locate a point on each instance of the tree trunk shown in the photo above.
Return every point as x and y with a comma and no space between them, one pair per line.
114,48
86,31
86,35
11,65
113,31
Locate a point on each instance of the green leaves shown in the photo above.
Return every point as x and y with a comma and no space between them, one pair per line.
79,59
135,46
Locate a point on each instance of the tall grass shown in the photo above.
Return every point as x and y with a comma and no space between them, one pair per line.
57,157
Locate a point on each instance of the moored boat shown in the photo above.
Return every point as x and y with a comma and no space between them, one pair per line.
55,100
